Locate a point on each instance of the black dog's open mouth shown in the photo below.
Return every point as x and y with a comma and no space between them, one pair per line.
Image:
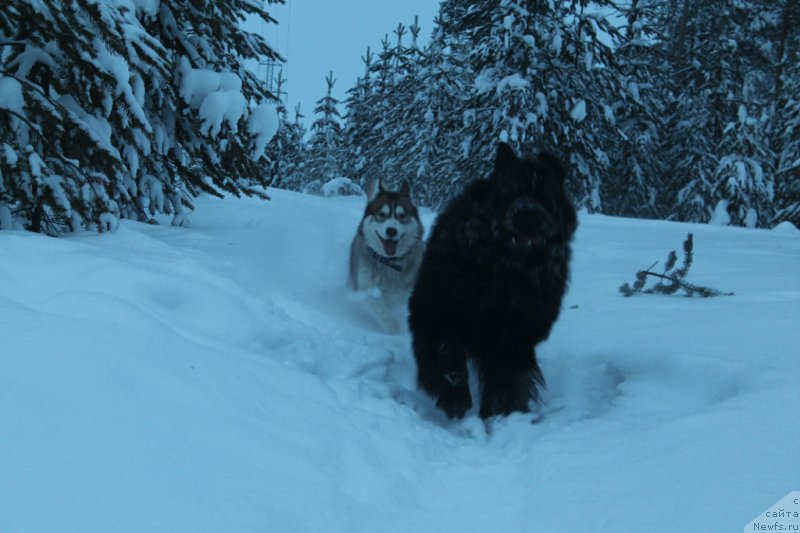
389,246
527,240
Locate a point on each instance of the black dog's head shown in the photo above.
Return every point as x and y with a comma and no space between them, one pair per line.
531,208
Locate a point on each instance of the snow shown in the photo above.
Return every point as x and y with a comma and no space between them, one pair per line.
485,81
6,221
263,124
9,153
751,218
117,66
197,84
219,377
578,112
588,60
218,98
720,216
219,106
341,186
35,163
28,59
742,114
11,95
148,7
98,128
557,42
513,82
787,228
633,89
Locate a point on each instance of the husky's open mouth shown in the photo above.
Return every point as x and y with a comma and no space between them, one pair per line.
389,246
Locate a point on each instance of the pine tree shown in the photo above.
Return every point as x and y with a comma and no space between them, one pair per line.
717,136
788,171
442,89
287,151
545,78
505,103
216,116
634,184
77,122
325,154
105,121
379,102
744,183
403,112
379,135
358,132
786,118
584,83
398,127
788,168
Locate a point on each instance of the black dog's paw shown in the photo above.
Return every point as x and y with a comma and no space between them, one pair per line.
455,400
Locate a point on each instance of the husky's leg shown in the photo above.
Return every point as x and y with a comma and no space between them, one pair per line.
383,313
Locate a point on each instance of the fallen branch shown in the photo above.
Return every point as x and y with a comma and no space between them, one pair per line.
675,277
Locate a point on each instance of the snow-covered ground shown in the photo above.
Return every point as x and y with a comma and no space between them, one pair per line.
220,378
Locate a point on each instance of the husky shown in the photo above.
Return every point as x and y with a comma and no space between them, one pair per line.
387,250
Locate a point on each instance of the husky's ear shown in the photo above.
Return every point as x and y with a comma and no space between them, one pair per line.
405,189
505,160
374,188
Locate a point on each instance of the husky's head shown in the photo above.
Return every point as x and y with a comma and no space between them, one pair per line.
391,225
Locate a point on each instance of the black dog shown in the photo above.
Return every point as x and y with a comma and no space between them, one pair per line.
491,284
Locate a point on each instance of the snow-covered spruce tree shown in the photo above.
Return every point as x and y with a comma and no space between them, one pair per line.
545,78
505,104
358,130
286,151
788,168
444,78
378,114
223,115
325,156
72,114
98,130
404,113
717,131
634,184
404,116
690,140
744,174
743,178
786,117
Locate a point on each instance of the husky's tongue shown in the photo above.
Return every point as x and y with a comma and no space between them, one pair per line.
389,247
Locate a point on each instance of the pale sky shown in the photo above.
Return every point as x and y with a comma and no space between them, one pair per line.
317,36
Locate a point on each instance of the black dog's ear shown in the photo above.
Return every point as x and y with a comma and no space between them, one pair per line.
550,167
505,157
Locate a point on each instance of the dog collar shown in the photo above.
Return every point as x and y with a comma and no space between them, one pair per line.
385,261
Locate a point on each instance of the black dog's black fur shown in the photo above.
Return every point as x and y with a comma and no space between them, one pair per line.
491,284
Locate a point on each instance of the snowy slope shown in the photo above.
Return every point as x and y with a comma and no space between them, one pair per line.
220,378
